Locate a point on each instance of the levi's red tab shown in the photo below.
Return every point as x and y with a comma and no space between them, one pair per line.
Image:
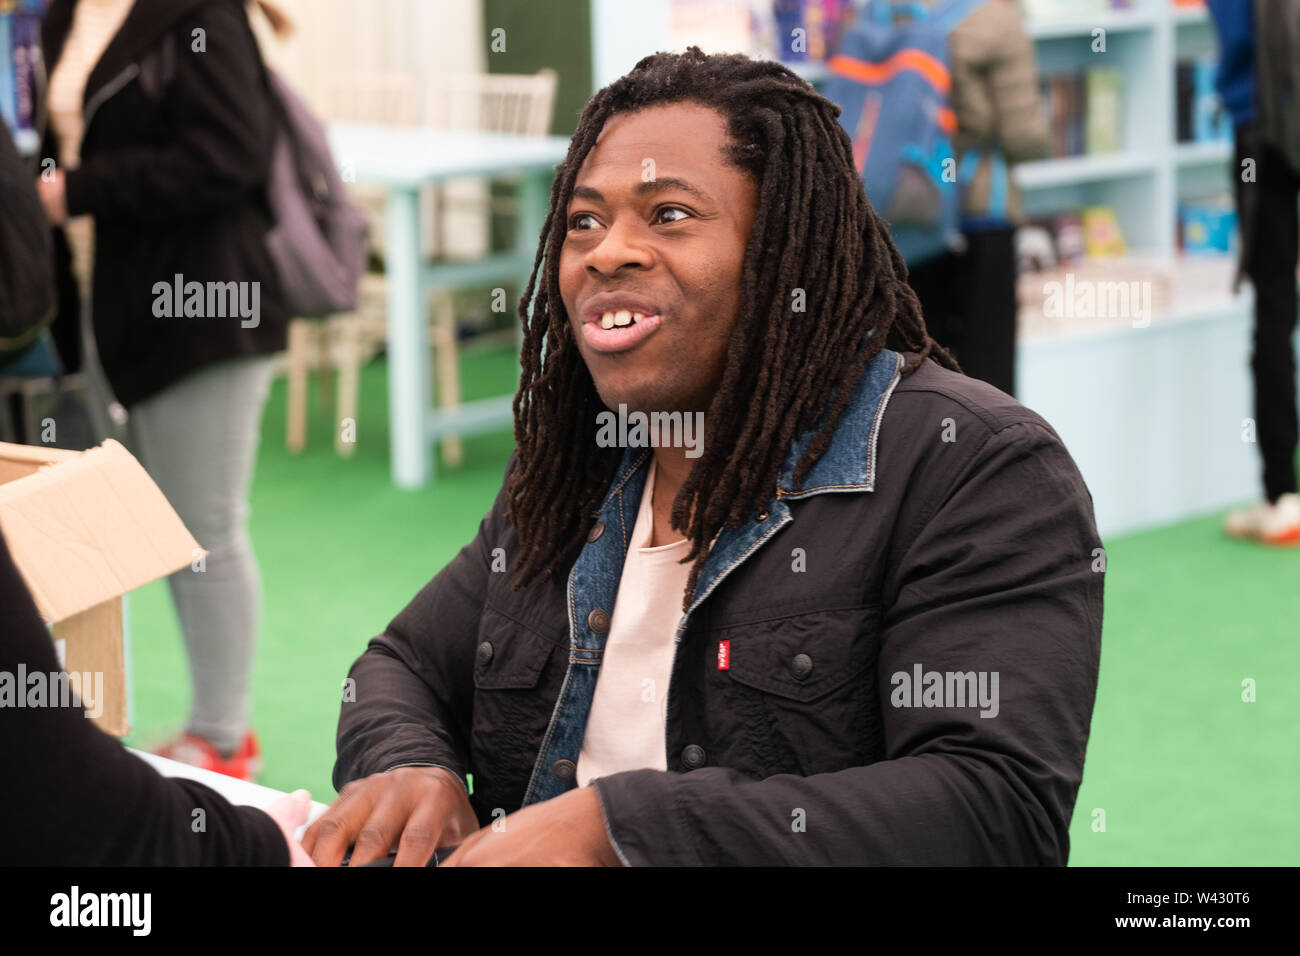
724,655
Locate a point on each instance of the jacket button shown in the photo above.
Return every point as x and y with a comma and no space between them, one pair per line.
596,531
485,653
598,621
761,516
564,769
801,666
693,756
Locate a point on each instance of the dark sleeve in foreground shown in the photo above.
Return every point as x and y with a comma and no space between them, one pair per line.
999,578
73,796
411,699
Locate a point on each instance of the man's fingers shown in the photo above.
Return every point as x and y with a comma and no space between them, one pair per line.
330,836
421,834
380,830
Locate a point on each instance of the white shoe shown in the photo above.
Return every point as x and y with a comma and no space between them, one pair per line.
1277,523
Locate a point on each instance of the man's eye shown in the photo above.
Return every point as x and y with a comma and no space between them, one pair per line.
582,221
678,214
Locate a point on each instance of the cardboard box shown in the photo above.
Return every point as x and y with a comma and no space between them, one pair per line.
84,528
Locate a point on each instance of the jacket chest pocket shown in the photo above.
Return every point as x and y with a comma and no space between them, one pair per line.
516,680
797,694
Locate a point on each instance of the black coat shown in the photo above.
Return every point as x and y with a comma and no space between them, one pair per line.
955,535
74,796
174,173
26,281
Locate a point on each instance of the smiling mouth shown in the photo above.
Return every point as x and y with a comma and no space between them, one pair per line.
619,330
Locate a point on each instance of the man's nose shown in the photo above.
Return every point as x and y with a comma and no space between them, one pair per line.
624,245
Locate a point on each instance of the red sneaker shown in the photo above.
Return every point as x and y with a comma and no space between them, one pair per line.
245,763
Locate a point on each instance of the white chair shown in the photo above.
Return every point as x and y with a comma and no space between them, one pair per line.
499,103
473,101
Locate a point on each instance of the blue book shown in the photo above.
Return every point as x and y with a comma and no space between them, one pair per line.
1210,122
8,99
25,35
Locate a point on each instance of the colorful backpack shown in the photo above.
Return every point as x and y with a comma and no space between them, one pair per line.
892,83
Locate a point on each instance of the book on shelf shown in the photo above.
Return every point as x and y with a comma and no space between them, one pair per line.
821,22
1102,237
1104,106
1207,227
1199,113
1083,110
20,53
1069,237
1211,121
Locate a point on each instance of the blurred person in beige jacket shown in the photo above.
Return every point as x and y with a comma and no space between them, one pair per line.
969,298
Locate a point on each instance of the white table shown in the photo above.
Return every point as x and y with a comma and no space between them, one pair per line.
402,160
239,792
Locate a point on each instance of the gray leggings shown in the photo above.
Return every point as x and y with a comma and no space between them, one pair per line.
198,440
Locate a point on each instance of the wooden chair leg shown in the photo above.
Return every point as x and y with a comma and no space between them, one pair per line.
448,371
324,365
348,359
299,362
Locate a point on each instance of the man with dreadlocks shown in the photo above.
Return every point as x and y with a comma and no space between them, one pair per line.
862,626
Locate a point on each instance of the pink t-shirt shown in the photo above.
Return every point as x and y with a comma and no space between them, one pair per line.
626,727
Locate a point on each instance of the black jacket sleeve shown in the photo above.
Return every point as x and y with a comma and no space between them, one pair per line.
1000,576
26,262
409,698
73,796
223,125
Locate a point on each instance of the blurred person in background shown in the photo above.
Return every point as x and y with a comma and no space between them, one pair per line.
27,297
1266,180
969,298
161,128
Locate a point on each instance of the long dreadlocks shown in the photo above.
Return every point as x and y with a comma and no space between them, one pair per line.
785,372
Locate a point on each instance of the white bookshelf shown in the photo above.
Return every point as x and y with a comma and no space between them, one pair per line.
1115,21
1142,183
1050,173
1152,412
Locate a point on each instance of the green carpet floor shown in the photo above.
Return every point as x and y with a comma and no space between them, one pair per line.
1180,770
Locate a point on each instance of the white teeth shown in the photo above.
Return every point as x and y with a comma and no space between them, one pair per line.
620,318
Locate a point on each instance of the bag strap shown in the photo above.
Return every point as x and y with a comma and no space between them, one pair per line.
999,180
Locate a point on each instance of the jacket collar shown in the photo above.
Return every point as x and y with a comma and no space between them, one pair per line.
850,461
848,465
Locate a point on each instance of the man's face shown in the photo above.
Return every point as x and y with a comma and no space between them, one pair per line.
657,230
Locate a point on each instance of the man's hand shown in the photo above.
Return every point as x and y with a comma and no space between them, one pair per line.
416,809
54,197
568,830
